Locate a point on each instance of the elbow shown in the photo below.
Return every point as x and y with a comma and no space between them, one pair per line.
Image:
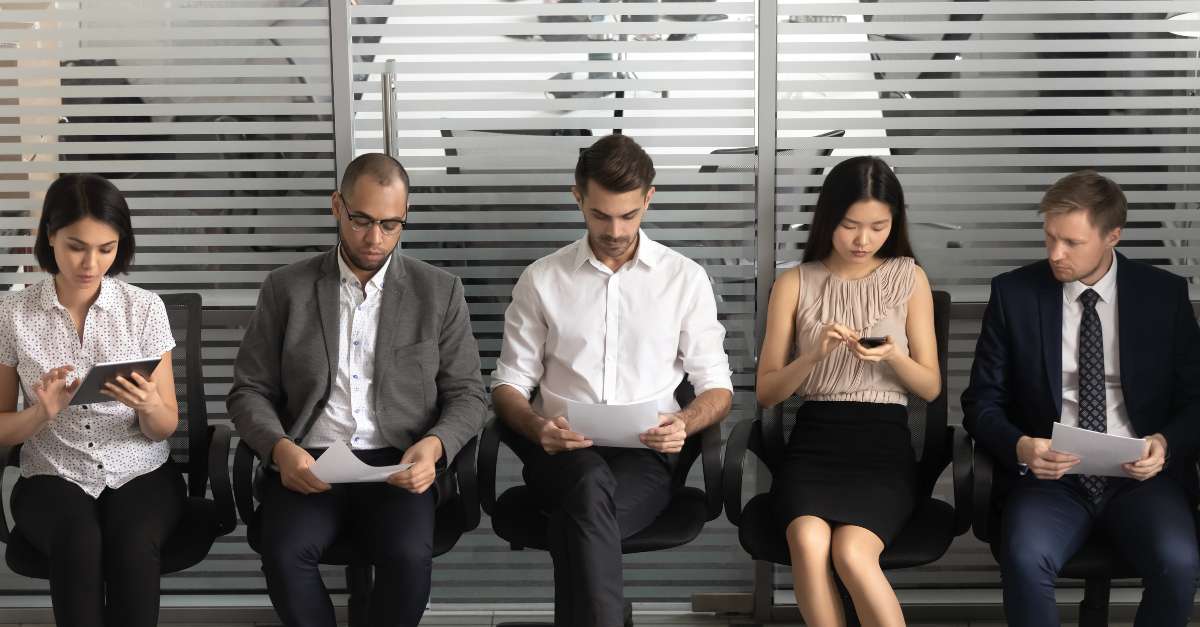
765,398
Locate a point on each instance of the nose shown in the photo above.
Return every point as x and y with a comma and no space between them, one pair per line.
89,259
862,238
1055,252
374,234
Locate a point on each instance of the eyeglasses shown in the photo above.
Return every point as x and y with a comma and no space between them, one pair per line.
358,222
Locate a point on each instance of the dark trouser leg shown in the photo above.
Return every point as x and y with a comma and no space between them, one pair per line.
1151,524
136,520
1044,524
61,521
296,529
594,505
394,527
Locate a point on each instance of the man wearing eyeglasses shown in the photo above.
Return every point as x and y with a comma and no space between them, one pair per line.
366,346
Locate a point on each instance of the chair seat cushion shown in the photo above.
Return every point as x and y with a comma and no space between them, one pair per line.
185,548
521,521
925,537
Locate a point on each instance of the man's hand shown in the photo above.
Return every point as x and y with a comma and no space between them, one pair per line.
1152,461
423,456
556,436
1045,462
295,465
668,436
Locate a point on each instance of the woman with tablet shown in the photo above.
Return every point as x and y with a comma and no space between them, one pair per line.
851,332
98,493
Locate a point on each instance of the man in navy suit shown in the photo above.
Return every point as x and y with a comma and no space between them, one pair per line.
1094,340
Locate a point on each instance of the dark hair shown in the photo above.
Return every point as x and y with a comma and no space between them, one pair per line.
1092,192
616,163
73,197
382,168
855,179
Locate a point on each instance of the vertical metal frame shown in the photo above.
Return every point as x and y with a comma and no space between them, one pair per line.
388,79
341,78
766,60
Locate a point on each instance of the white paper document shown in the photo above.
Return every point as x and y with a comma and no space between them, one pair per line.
339,465
1098,453
613,425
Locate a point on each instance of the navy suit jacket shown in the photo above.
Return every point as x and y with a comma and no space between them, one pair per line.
1016,380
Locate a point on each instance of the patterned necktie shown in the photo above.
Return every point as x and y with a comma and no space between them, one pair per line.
1091,381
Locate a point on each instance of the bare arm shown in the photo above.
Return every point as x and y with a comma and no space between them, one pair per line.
552,434
919,370
780,375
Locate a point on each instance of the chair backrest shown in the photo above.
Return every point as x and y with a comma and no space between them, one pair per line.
189,445
927,421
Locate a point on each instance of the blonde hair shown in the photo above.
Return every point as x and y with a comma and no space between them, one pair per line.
1090,191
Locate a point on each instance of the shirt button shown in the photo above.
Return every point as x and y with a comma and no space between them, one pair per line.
100,466
354,376
356,342
87,426
91,444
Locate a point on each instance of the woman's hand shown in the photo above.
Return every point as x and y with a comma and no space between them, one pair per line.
53,392
136,392
833,335
883,352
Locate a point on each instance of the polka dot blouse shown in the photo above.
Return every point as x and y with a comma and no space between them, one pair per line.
99,445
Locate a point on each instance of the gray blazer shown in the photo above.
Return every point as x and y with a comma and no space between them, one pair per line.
427,379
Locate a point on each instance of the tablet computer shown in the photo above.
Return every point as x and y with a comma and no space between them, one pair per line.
89,389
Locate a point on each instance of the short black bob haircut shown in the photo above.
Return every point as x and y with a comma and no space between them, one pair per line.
73,197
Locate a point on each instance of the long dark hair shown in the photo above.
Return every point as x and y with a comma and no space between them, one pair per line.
855,179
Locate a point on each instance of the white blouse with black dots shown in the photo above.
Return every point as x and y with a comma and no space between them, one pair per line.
99,445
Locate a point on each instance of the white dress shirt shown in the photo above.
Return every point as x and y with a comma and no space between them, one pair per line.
349,414
582,332
1117,416
98,445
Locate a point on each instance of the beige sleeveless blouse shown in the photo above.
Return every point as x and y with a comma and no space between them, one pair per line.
875,305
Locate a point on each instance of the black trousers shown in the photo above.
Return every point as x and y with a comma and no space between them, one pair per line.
597,496
103,552
392,526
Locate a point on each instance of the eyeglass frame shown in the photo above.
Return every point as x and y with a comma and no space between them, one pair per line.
351,215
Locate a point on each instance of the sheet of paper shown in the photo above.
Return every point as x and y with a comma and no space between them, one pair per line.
339,465
613,425
1099,453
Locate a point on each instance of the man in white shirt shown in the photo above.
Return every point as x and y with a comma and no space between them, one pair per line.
612,318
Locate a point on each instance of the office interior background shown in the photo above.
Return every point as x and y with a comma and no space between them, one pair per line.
226,123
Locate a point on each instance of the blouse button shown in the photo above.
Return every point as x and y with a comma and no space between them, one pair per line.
83,407
100,466
87,426
91,444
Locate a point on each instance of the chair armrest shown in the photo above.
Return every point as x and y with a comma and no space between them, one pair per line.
9,456
489,450
466,474
981,493
962,455
735,459
243,478
710,460
219,437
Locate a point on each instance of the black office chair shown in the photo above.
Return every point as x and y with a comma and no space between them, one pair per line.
1097,564
934,523
456,513
519,517
202,449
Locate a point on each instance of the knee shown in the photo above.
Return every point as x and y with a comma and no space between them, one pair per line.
289,551
808,541
1028,561
408,556
131,547
853,558
594,489
1175,565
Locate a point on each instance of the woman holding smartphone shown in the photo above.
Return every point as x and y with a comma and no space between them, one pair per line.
851,332
98,493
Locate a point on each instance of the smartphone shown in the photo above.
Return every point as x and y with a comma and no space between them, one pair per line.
872,342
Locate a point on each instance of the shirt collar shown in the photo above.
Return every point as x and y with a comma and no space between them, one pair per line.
106,300
376,282
1106,287
649,252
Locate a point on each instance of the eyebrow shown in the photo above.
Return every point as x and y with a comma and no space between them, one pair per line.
628,214
79,241
858,222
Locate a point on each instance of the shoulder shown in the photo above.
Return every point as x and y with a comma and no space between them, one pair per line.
1024,277
680,264
305,270
134,298
1148,277
558,261
424,273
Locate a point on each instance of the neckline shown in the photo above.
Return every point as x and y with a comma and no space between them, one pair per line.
866,276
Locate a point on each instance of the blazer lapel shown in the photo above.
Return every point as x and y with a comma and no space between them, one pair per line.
1050,311
394,286
1128,324
328,286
